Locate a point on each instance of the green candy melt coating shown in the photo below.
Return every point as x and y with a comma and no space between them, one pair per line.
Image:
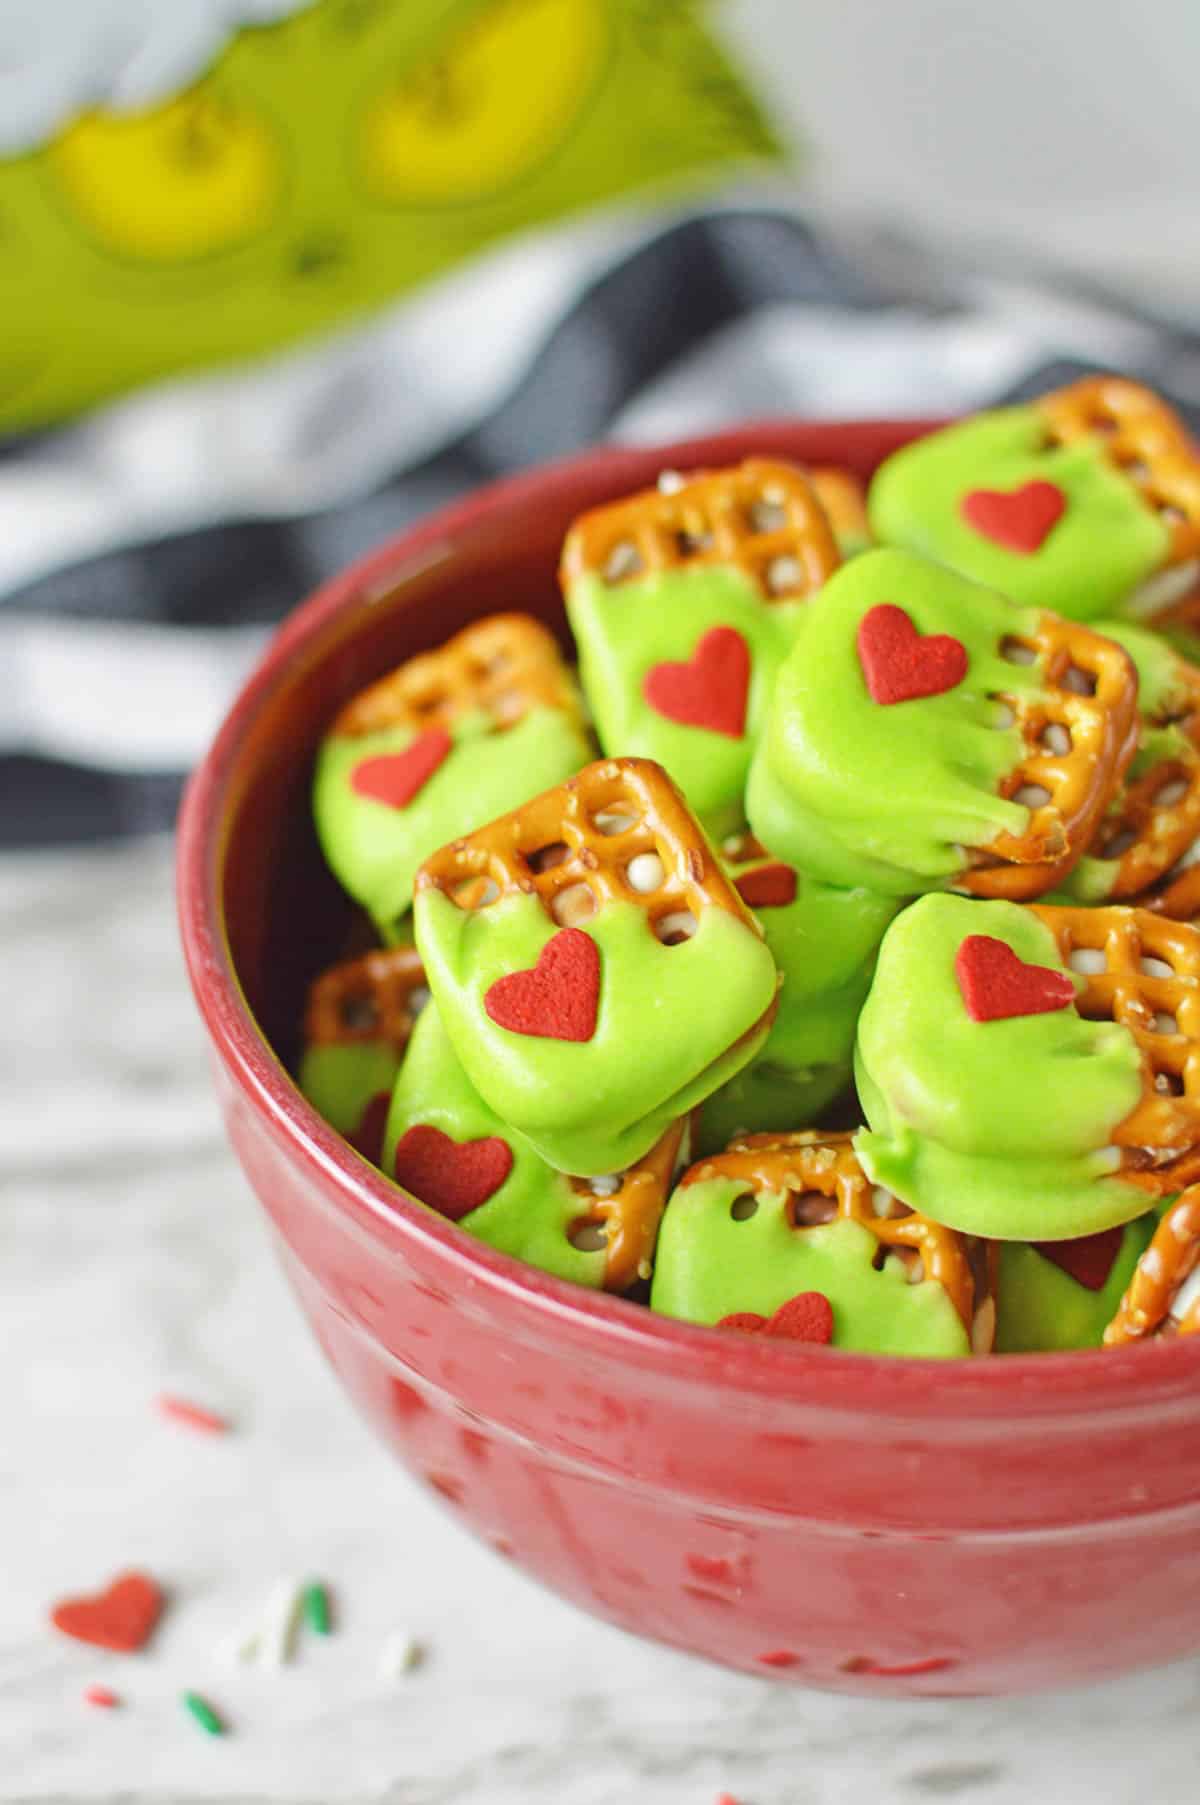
624,630
1106,543
374,850
886,796
530,1215
824,944
998,1128
710,1264
1040,1308
340,1079
673,1023
1163,691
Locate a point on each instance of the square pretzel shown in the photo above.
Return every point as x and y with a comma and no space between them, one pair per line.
504,665
1149,1304
844,501
375,997
762,517
1080,732
626,1209
618,831
1143,439
1142,970
820,1173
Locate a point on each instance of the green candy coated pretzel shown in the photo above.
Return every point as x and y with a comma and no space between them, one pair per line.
1105,545
1000,1128
713,1263
860,793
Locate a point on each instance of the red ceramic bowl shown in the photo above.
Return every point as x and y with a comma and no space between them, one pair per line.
880,1526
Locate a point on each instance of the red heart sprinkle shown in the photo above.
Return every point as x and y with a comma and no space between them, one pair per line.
769,887
452,1177
558,999
394,778
806,1317
120,1618
367,1138
995,984
709,691
1088,1259
902,665
1021,520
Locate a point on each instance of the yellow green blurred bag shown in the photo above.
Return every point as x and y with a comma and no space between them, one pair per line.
326,162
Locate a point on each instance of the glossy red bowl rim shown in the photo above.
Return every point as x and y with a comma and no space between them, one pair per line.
1111,1382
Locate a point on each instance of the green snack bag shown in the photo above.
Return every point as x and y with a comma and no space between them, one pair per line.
909,744
684,601
444,743
596,972
357,1023
785,1238
1086,501
824,943
997,1103
451,1151
321,165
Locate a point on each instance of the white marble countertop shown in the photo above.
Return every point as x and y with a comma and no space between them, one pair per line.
132,1262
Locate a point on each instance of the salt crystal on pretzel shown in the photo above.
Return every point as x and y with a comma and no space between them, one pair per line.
777,1215
447,740
358,1019
596,971
682,600
951,741
1085,500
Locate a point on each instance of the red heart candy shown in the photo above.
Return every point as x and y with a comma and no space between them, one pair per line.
120,1618
769,887
902,665
1021,520
995,984
806,1317
452,1177
709,691
367,1138
1088,1260
558,999
394,778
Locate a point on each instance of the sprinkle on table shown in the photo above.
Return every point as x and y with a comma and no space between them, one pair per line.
400,1654
316,1608
204,1714
102,1696
192,1416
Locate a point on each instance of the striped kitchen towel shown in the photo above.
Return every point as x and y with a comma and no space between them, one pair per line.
146,550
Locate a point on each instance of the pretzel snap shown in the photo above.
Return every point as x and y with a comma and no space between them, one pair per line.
821,1172
1153,1297
1080,731
504,665
761,516
1142,971
1142,438
618,831
627,1208
376,997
